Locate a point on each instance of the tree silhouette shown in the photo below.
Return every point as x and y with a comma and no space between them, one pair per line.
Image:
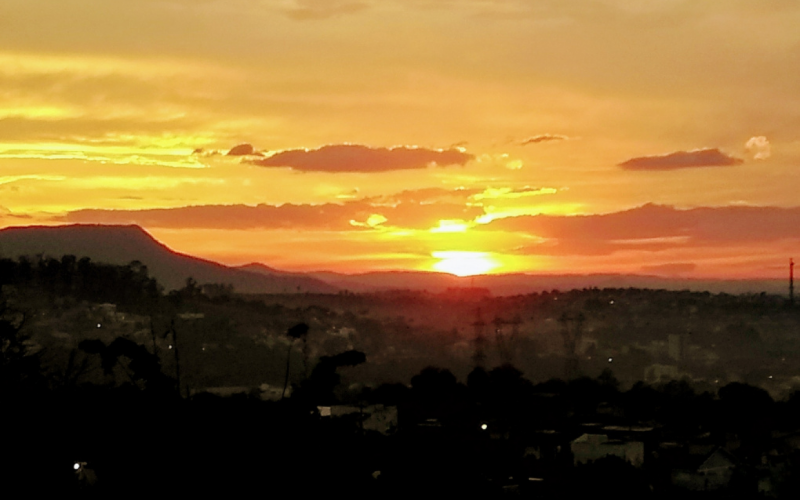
319,387
67,377
143,369
747,411
479,384
20,362
298,331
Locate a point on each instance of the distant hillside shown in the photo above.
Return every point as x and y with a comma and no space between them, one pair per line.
123,244
259,268
519,284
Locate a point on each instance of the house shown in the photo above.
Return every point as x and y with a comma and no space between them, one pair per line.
712,472
544,445
377,418
590,447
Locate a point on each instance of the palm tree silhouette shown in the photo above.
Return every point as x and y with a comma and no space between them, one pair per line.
298,331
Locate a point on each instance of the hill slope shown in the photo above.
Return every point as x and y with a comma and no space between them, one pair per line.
116,244
121,245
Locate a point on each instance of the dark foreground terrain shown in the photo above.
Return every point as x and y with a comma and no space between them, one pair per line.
110,387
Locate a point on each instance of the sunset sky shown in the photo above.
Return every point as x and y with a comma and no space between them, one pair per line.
542,136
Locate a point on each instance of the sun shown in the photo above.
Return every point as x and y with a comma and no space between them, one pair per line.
465,263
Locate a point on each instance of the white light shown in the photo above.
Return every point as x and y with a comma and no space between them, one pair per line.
76,466
610,360
98,325
484,426
170,346
611,302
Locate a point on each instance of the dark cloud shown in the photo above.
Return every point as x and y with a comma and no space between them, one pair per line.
242,150
682,159
425,196
425,215
356,158
654,228
544,138
526,190
207,152
523,190
329,216
6,213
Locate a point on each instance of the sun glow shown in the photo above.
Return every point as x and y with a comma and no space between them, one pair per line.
450,226
465,263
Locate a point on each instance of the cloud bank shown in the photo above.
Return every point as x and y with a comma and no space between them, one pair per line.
654,228
682,159
242,150
403,212
357,158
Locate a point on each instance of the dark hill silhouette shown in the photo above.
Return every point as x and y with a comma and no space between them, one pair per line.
121,245
257,267
514,284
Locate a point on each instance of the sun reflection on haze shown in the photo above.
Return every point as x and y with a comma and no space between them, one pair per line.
465,263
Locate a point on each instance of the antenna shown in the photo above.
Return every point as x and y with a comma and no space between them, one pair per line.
791,281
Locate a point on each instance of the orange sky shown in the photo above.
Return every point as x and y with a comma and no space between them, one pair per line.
473,136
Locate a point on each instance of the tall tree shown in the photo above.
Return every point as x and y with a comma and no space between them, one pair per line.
20,361
298,331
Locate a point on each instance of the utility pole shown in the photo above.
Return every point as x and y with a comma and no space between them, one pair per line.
791,282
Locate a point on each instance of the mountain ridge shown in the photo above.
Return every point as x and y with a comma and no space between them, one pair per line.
122,244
